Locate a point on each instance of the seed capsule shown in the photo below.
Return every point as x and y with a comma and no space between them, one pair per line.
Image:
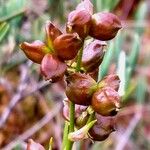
80,88
105,101
102,128
93,55
67,46
51,34
35,51
111,80
104,26
79,21
52,68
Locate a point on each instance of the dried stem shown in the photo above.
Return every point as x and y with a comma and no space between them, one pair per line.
35,128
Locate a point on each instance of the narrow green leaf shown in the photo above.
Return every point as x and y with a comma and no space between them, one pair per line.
118,43
113,4
4,27
141,14
99,5
121,69
132,59
11,9
141,90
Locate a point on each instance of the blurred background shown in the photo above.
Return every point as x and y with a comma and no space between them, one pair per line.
31,107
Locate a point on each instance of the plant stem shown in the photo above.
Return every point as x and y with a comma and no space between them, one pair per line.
72,105
79,60
65,136
71,127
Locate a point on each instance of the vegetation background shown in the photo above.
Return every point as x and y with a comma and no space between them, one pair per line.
31,107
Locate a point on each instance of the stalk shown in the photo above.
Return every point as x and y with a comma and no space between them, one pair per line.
72,105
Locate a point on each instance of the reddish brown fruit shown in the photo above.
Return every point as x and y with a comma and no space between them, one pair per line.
67,46
106,101
93,55
51,34
102,128
80,88
79,21
111,80
104,26
52,68
35,51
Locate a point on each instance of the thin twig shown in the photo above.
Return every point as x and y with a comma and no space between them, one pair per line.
22,86
20,94
34,128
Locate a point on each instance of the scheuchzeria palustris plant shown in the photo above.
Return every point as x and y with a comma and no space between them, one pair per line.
90,106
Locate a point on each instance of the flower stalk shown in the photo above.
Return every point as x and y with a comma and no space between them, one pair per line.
72,105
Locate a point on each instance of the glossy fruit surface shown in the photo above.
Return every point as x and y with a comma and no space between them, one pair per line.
80,88
67,46
104,26
106,101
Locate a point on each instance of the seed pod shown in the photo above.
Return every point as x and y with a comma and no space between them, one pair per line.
67,46
111,80
93,55
105,101
102,128
80,88
79,21
51,34
35,51
104,26
52,68
85,5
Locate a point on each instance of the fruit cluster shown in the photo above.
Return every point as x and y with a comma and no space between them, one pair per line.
71,57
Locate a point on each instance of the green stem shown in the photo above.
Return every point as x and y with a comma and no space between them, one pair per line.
72,105
91,118
72,112
71,128
65,135
79,60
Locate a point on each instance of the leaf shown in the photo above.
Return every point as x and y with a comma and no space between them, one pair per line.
105,5
50,143
140,14
4,28
121,72
118,45
11,9
133,57
141,90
